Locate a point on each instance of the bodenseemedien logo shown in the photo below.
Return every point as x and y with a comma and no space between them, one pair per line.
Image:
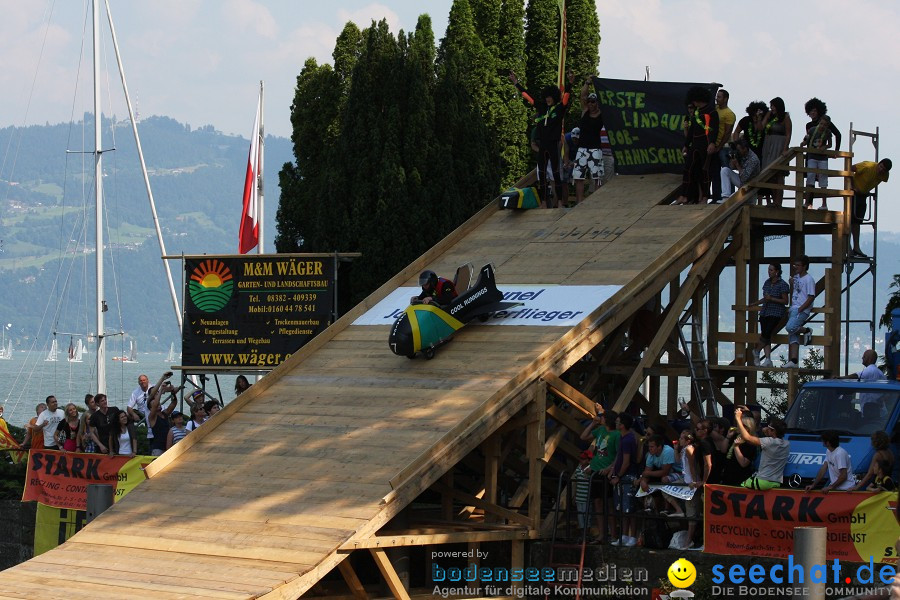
211,285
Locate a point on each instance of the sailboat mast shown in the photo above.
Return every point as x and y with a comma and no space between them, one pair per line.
259,179
98,196
140,151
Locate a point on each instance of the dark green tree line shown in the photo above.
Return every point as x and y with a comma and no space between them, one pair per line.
401,141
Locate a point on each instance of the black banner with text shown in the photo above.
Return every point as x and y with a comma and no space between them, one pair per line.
644,120
252,312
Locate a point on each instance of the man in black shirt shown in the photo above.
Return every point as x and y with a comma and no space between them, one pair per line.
102,422
589,158
700,143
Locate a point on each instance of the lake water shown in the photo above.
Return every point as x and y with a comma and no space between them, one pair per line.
28,379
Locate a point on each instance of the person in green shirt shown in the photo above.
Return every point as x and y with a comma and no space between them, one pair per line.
602,430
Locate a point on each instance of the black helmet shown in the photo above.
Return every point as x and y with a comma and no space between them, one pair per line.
429,278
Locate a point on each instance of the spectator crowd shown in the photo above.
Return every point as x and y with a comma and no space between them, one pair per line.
105,429
631,475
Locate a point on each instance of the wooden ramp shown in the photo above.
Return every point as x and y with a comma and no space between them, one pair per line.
313,461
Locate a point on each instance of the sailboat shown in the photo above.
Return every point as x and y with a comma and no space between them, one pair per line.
76,351
170,357
6,349
130,356
53,355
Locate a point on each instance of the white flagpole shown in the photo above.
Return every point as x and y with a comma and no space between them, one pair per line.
259,177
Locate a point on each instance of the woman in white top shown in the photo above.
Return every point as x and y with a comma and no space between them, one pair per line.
122,439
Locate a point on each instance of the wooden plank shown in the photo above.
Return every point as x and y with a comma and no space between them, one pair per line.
353,582
228,545
456,537
571,395
477,502
535,448
389,574
199,585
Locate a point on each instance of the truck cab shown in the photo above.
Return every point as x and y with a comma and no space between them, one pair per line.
855,409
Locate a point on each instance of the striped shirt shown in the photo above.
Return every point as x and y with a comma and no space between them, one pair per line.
582,484
178,434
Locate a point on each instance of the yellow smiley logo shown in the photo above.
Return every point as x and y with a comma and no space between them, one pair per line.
682,573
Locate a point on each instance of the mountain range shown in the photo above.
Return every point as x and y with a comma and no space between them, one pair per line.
197,177
47,222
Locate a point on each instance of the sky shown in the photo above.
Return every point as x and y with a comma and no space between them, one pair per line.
200,61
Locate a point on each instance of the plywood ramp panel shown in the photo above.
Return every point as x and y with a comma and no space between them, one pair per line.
332,444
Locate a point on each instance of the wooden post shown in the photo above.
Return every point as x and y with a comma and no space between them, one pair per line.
672,383
517,561
353,582
536,432
390,575
447,499
832,352
754,290
491,449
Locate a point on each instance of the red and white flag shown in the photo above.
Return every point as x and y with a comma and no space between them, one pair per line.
248,236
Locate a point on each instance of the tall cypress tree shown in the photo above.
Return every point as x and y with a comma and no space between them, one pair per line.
468,170
512,136
300,222
419,149
583,28
541,43
583,53
371,175
304,220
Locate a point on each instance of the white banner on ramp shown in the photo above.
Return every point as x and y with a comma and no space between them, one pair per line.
547,305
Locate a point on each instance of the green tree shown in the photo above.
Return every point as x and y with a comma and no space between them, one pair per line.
583,52
776,404
512,140
892,303
308,216
467,173
541,43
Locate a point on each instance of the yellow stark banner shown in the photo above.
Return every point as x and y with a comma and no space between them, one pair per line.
563,44
60,479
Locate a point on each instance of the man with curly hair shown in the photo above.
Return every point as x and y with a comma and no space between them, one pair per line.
819,133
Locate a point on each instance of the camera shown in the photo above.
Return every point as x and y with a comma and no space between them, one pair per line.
733,151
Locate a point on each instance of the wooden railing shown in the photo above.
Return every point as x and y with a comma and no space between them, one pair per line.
794,160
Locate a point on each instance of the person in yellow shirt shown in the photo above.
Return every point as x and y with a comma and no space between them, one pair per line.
718,160
866,177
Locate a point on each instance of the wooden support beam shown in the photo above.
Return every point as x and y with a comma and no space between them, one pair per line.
485,506
447,499
566,392
491,450
517,562
565,419
535,450
696,275
389,574
672,382
353,582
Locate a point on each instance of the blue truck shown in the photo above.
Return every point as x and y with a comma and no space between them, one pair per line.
855,409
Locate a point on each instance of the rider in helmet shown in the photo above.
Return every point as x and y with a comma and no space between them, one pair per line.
435,289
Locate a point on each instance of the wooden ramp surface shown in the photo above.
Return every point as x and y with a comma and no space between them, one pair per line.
257,501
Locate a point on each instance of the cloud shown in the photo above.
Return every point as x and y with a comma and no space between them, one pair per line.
364,16
249,15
